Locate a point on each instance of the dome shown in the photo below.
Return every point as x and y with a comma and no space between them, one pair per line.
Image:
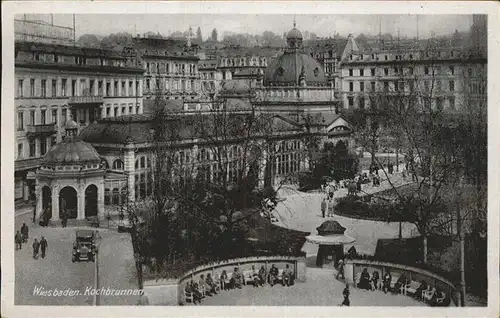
235,87
71,124
294,34
70,153
330,227
287,69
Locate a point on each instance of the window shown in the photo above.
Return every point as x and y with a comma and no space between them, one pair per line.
118,164
439,104
410,70
43,116
411,56
53,141
32,117
372,86
115,88
362,86
123,89
386,71
351,86
20,88
372,72
54,88
108,111
386,58
426,70
396,86
32,87
148,84
386,86
452,86
396,70
361,57
43,87
99,88
63,87
401,86
411,85
361,102
20,120
350,72
43,145
350,100
73,87
361,72
64,115
130,88
19,151
452,70
92,86
452,102
32,147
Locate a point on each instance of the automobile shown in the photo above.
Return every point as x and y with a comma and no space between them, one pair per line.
84,246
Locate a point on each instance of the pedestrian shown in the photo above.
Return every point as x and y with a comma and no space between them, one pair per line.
43,246
64,218
25,232
34,213
36,246
341,269
323,207
19,240
346,293
330,207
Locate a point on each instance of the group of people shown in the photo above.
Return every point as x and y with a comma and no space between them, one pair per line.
208,286
328,206
22,236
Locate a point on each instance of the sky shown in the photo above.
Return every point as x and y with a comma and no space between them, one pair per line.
322,25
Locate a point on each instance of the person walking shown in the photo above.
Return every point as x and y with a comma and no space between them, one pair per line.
341,270
25,232
43,246
36,247
346,294
34,212
323,207
19,240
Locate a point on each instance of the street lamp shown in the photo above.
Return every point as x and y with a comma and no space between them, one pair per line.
97,243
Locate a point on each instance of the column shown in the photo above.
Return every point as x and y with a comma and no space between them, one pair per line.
81,203
111,87
55,203
100,200
96,87
37,147
140,87
87,81
119,87
38,191
119,110
126,87
129,168
26,190
103,111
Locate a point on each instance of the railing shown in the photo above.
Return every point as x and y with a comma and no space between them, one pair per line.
87,99
40,129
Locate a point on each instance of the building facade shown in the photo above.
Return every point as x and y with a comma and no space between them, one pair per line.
55,82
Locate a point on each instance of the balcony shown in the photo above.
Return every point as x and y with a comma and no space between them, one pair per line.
34,130
26,164
86,100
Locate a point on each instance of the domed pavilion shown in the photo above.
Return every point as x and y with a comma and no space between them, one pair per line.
70,179
296,82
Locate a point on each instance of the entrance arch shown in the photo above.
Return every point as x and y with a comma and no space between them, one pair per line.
47,201
68,202
91,201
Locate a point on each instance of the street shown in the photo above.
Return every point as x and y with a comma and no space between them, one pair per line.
57,273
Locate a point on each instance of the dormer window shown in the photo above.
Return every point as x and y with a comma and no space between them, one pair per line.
280,71
316,72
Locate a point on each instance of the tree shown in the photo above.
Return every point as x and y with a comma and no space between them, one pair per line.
214,35
89,40
199,37
116,39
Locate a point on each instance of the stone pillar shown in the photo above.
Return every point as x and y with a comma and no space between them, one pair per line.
103,111
55,203
129,168
126,88
38,191
111,87
140,87
119,87
349,273
119,110
81,203
96,87
100,200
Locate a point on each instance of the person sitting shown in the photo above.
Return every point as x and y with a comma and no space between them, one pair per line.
375,279
287,276
386,282
273,275
254,276
423,286
203,286
400,283
223,280
192,290
211,284
237,280
262,275
364,281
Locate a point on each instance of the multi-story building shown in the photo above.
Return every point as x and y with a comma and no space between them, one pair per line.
170,65
328,52
212,77
432,72
55,82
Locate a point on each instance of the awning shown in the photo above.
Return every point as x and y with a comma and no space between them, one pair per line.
330,239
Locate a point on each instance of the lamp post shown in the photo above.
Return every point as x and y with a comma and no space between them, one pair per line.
97,242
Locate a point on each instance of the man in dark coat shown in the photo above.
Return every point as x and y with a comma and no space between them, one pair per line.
346,294
36,247
19,240
25,232
43,246
386,283
364,281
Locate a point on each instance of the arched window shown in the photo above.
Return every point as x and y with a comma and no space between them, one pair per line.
137,164
118,164
116,196
148,162
143,162
106,197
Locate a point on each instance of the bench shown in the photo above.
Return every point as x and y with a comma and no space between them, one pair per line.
411,288
248,277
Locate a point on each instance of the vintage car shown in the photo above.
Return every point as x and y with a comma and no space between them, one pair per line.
84,246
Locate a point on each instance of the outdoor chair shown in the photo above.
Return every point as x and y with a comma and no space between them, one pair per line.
428,294
189,297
